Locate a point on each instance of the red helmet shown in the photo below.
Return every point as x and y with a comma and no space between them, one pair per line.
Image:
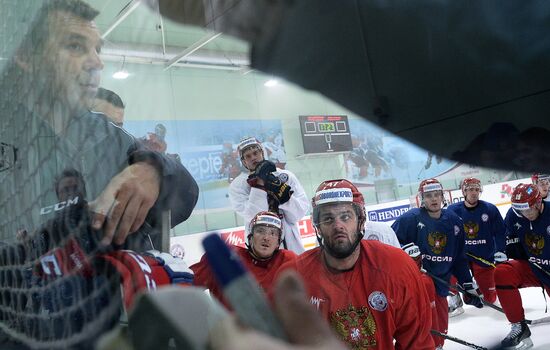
526,196
338,191
247,142
537,176
471,182
266,218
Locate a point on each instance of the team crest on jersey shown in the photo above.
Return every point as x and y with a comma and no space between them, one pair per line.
283,177
484,217
471,229
177,251
457,230
373,237
378,301
437,242
535,243
355,326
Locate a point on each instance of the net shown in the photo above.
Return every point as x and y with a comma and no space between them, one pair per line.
54,292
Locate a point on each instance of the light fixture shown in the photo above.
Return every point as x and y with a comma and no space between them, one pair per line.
271,82
121,73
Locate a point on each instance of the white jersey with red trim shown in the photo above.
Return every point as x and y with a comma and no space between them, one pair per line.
248,201
379,231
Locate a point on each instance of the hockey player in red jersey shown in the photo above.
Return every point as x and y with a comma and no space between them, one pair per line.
262,255
528,244
371,293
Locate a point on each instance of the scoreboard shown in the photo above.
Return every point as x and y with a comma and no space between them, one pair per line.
325,133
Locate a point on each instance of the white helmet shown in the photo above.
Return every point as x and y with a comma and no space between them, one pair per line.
265,218
247,142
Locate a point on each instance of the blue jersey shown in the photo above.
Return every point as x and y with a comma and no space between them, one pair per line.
533,239
441,242
484,230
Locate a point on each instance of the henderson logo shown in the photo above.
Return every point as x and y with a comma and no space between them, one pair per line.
388,214
247,142
334,195
520,206
268,220
432,187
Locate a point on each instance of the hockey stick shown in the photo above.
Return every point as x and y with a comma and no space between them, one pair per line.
464,291
540,268
486,262
457,340
485,302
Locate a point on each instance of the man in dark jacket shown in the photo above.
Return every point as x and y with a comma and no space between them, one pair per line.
47,130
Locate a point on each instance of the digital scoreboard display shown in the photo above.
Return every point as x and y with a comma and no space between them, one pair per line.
325,133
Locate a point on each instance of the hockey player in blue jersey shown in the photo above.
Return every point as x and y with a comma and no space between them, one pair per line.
484,236
528,243
439,236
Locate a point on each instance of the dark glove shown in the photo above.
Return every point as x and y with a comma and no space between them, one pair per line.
276,188
473,295
253,181
264,169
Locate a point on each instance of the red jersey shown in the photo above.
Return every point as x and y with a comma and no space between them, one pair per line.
380,299
263,270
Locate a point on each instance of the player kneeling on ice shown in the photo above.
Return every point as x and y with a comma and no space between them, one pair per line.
371,293
262,256
436,236
484,240
528,244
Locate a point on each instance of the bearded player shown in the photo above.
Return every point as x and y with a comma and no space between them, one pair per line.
370,292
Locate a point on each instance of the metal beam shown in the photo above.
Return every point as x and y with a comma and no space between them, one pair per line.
126,11
192,48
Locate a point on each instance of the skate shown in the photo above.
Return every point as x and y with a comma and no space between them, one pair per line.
455,305
518,338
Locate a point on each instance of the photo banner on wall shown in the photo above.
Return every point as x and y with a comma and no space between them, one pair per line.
208,149
379,155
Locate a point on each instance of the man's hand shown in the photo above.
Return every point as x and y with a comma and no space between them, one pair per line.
123,206
303,324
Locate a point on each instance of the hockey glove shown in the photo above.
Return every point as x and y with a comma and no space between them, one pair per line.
500,257
253,181
146,272
414,252
264,169
176,268
280,191
473,295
